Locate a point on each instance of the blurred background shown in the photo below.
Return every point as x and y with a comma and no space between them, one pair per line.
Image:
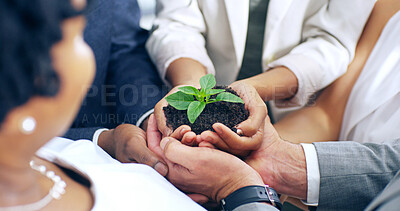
148,12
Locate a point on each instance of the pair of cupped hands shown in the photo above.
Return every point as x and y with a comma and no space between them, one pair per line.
206,166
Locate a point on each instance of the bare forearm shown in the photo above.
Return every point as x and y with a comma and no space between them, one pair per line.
308,125
185,71
277,83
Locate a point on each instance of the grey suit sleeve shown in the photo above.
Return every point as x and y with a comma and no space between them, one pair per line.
256,207
352,174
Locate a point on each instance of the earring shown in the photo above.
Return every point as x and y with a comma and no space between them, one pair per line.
28,125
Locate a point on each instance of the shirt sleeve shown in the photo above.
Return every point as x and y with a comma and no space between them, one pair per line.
313,175
97,134
143,117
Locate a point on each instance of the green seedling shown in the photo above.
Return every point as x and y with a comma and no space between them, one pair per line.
194,101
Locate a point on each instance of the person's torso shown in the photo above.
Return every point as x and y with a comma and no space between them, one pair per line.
226,34
373,110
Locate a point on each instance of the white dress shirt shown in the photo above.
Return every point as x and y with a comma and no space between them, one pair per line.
114,185
315,39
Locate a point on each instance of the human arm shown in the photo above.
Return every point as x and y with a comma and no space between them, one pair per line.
250,131
285,166
137,85
323,119
177,42
329,36
365,169
177,47
190,170
202,182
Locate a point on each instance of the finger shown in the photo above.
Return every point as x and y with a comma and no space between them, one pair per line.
189,139
160,118
153,136
199,198
177,152
180,132
283,198
256,107
214,139
143,155
254,122
206,144
234,141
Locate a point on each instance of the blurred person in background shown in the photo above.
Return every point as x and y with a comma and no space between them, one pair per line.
282,50
126,86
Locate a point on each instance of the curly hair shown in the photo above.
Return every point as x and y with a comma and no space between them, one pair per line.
28,29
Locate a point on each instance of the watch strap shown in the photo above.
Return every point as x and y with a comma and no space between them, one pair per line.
250,194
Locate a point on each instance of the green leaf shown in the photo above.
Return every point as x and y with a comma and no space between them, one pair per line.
207,82
180,100
229,97
194,110
190,90
214,91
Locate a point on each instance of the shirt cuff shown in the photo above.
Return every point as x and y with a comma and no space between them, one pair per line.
313,175
97,134
143,117
308,74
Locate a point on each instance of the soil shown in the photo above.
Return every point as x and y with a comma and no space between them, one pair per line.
229,114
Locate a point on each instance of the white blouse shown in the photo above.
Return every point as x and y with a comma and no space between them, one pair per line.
373,111
116,186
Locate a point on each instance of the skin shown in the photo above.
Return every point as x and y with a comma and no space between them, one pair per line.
282,164
73,61
251,129
202,170
323,120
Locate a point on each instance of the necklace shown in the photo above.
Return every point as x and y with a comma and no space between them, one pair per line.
55,192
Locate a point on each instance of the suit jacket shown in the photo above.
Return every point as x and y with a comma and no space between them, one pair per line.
389,199
353,174
316,39
126,84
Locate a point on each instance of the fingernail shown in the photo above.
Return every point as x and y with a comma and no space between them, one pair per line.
164,142
239,131
161,168
217,129
183,131
207,138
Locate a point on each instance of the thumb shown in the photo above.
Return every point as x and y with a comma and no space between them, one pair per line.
177,152
146,156
199,198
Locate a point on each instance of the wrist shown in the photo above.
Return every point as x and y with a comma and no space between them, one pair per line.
248,179
251,194
291,170
106,142
277,83
185,71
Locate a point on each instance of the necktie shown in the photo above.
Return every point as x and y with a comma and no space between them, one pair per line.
252,59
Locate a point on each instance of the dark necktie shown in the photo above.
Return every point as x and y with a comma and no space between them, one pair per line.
252,59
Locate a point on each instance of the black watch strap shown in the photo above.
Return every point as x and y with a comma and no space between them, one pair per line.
250,194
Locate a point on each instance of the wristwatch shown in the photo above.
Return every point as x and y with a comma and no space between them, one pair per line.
250,194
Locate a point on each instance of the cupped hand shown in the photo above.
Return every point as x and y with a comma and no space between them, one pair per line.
206,171
127,143
281,164
159,113
249,132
